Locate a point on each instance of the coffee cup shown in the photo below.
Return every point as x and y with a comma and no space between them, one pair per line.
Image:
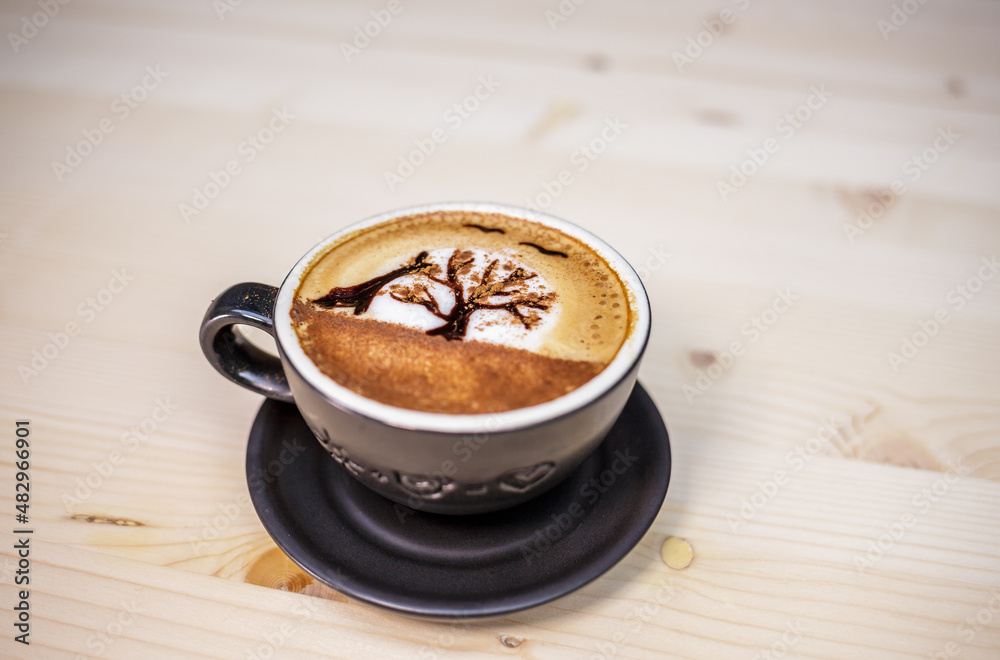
457,358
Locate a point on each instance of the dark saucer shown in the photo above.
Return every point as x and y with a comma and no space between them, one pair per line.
380,552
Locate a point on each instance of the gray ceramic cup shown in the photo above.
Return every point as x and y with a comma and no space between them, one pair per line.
435,462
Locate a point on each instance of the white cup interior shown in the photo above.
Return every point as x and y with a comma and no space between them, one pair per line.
345,398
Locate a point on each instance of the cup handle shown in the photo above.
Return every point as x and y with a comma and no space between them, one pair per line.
231,353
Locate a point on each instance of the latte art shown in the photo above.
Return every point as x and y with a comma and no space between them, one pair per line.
446,292
460,312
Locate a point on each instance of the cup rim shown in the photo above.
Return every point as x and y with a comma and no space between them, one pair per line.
625,359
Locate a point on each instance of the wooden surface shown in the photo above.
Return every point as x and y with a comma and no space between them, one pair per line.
164,557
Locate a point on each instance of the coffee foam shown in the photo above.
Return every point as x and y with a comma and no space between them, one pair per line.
586,315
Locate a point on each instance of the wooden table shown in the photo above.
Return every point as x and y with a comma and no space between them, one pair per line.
809,189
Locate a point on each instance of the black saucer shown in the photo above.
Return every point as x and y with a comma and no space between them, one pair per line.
374,550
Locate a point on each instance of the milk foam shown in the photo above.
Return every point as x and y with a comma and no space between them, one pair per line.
587,314
487,325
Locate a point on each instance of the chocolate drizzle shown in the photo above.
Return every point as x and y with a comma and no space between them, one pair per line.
456,321
485,230
360,296
551,253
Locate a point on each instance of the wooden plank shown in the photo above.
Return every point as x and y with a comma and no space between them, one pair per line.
769,559
802,558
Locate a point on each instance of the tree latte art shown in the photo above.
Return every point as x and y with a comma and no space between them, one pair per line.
459,312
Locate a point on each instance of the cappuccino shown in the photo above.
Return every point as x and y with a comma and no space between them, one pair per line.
461,312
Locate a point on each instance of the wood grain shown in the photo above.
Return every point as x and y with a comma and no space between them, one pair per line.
794,460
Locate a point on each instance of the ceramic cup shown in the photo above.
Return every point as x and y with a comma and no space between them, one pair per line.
435,462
